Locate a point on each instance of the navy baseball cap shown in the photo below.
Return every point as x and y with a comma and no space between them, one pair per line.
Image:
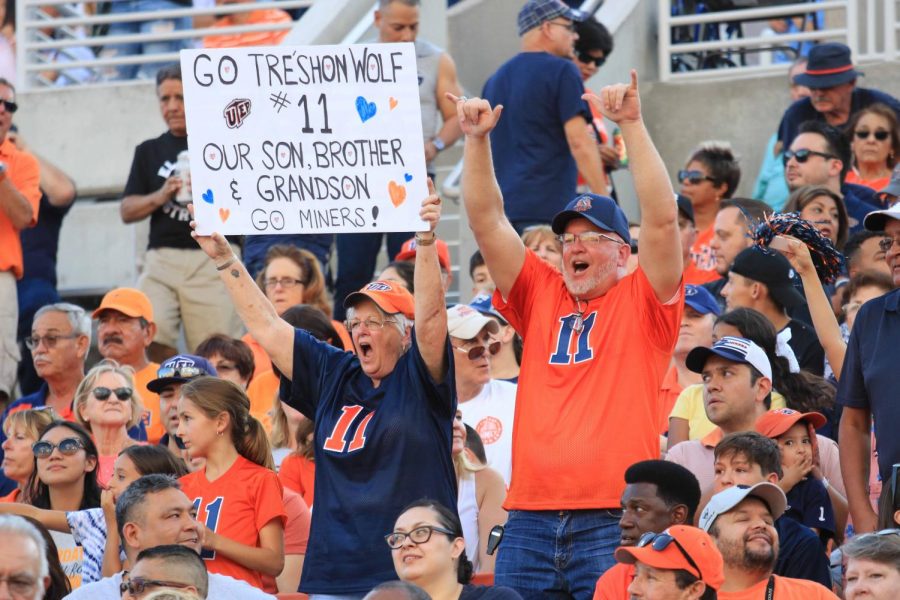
700,299
771,269
536,12
829,65
482,303
735,349
685,207
599,210
180,369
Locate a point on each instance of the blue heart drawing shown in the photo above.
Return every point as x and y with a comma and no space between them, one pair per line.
208,196
365,108
407,177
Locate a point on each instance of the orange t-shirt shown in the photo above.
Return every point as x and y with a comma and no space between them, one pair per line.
613,585
151,417
236,506
695,276
24,174
298,473
875,184
701,254
786,588
250,38
668,394
587,405
13,496
262,392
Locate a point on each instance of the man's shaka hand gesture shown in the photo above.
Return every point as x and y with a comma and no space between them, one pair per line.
620,102
476,118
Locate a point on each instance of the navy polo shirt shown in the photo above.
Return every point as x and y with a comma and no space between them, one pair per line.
860,201
800,553
869,377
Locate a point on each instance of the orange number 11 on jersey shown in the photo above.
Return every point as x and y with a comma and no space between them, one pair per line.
337,441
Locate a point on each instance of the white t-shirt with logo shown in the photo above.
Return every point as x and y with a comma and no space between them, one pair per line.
491,414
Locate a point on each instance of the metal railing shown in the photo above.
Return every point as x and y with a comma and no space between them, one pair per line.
57,40
712,45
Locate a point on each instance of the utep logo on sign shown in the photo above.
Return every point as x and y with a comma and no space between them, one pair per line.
236,111
583,204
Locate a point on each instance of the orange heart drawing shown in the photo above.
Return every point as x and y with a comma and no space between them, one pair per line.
397,192
224,213
393,102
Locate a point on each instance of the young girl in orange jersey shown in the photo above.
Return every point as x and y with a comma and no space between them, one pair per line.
237,494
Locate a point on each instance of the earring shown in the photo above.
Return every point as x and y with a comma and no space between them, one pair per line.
219,433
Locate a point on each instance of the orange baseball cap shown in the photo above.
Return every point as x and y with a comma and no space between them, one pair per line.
678,547
390,297
128,301
776,422
408,252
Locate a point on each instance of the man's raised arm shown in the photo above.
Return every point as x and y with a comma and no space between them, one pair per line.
660,256
503,251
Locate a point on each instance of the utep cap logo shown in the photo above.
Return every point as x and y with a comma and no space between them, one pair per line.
583,204
734,344
784,411
465,310
180,363
236,111
690,290
378,286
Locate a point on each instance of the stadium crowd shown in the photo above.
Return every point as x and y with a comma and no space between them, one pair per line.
684,407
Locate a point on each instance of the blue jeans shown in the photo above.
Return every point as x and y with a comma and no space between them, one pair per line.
356,256
146,70
557,554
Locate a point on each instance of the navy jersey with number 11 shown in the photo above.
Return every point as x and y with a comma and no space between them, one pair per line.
376,451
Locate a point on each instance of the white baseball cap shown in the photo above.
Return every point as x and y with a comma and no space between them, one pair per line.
740,350
726,500
464,322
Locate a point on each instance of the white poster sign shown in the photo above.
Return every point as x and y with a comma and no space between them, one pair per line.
317,139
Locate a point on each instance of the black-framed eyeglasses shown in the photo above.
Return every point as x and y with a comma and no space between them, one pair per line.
661,541
584,57
9,106
287,283
419,535
570,27
694,177
103,393
886,243
184,372
476,352
802,155
49,340
137,585
67,447
880,135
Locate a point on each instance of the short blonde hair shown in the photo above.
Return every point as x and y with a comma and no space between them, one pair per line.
33,421
87,384
540,233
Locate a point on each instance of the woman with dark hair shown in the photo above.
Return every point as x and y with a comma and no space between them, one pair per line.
428,549
824,209
402,272
232,358
875,143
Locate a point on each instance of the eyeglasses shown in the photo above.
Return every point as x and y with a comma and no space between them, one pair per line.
478,351
20,584
419,535
694,177
803,155
9,105
67,447
183,372
371,324
287,283
137,585
880,135
661,541
887,243
103,393
584,57
570,27
49,340
586,237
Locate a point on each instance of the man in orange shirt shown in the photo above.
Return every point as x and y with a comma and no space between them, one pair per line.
20,199
597,344
124,332
741,521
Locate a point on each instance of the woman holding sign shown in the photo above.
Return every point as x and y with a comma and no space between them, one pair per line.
383,417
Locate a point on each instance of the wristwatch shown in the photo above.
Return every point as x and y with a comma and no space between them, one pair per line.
438,143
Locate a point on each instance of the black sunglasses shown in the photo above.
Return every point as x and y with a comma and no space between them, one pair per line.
880,135
10,106
103,393
803,155
694,177
584,57
67,447
661,541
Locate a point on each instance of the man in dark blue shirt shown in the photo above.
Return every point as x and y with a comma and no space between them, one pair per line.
831,78
868,384
543,141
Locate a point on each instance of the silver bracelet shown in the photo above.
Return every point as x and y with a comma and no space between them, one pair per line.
227,263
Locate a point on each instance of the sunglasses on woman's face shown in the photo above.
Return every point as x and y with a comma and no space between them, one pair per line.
103,393
694,177
880,135
478,351
67,447
584,57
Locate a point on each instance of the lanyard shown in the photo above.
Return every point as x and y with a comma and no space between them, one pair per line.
770,588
